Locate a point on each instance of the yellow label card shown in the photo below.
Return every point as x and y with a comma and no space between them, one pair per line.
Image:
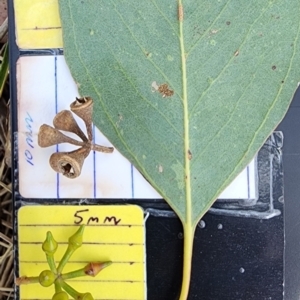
113,233
38,24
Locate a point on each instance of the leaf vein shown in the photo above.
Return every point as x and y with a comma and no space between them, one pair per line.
165,17
142,49
138,164
228,63
207,30
225,124
138,92
238,165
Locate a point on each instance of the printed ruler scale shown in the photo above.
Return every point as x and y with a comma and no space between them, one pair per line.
113,233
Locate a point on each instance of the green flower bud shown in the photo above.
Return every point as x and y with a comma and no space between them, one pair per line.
85,296
50,245
47,278
60,296
75,241
73,293
93,268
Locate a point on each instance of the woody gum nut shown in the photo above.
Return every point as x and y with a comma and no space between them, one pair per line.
69,163
83,108
64,120
49,136
50,245
46,278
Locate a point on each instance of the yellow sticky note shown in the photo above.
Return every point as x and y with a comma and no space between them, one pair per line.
38,24
114,233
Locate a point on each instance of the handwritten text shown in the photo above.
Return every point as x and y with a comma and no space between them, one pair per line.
81,216
29,140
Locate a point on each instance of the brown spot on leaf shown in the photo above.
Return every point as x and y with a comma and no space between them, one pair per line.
236,53
228,23
165,90
273,67
275,17
190,156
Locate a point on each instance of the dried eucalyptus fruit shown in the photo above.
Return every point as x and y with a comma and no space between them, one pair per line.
70,164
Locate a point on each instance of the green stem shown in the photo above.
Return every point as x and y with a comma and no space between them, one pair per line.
91,269
33,279
51,263
73,293
27,280
73,274
75,241
187,223
70,250
57,286
187,260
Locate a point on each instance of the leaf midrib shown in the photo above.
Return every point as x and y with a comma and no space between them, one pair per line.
187,165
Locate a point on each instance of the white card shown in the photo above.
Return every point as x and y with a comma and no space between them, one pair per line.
45,87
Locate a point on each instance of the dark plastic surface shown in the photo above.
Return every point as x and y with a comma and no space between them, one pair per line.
291,158
234,262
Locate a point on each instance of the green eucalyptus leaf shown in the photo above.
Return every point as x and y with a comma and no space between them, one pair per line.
241,71
187,95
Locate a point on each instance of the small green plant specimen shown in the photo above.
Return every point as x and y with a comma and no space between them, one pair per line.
55,277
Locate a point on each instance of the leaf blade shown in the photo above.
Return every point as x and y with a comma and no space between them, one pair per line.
223,41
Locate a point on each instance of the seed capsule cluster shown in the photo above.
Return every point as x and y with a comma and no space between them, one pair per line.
70,163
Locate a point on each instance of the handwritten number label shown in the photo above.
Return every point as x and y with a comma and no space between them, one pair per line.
82,217
76,215
29,140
